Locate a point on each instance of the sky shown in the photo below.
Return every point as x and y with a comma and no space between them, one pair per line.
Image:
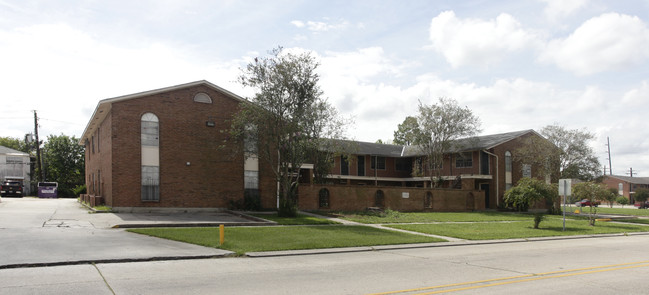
517,65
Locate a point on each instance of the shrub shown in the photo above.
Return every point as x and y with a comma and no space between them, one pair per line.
529,191
538,217
622,200
79,189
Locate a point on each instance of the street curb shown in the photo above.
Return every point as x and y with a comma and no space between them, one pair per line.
117,260
196,224
427,245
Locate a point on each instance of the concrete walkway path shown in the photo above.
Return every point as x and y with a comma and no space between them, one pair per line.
382,226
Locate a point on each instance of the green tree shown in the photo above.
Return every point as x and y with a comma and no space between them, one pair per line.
641,195
439,125
592,192
611,197
622,200
564,150
15,143
406,133
529,191
289,118
65,163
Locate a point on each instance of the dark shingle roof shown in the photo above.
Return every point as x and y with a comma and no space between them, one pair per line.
636,180
464,144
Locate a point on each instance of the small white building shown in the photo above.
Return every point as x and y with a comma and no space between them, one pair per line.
15,165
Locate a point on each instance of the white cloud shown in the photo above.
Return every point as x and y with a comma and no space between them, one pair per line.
317,26
63,72
608,42
557,9
297,23
637,98
476,42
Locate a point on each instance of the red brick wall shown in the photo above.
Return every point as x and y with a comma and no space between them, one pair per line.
214,176
517,166
354,198
612,182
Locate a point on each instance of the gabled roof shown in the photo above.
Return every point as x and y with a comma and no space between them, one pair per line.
367,148
635,180
104,106
484,142
7,151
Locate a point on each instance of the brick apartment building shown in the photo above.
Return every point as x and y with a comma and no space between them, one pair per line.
626,185
475,176
166,148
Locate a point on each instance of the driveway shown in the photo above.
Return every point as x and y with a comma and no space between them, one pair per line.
38,232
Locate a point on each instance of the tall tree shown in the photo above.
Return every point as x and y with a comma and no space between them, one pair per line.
65,162
439,125
289,118
15,143
565,150
406,132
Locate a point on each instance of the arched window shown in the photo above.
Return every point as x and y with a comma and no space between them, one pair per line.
508,170
379,199
202,97
323,198
428,200
150,146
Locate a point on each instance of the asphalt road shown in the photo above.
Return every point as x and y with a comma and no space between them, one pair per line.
48,233
611,265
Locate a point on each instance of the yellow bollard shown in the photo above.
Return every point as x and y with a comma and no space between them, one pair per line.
221,234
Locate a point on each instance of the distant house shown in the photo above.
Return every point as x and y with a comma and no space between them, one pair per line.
15,165
166,148
626,185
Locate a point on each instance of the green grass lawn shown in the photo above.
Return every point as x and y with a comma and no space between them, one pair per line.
301,219
417,217
253,239
604,209
552,226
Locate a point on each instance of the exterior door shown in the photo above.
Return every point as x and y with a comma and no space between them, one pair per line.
361,165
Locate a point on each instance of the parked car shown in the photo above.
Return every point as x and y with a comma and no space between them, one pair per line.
642,205
587,203
11,188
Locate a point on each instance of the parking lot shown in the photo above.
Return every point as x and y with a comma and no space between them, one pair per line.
35,232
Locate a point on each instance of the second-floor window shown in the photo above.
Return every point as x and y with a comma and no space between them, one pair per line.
403,164
463,161
378,163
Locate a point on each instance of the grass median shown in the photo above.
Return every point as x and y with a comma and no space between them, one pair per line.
604,209
552,226
390,216
277,238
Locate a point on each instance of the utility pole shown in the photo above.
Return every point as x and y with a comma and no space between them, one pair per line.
610,167
38,149
630,172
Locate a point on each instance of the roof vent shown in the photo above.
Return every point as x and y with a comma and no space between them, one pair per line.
202,97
